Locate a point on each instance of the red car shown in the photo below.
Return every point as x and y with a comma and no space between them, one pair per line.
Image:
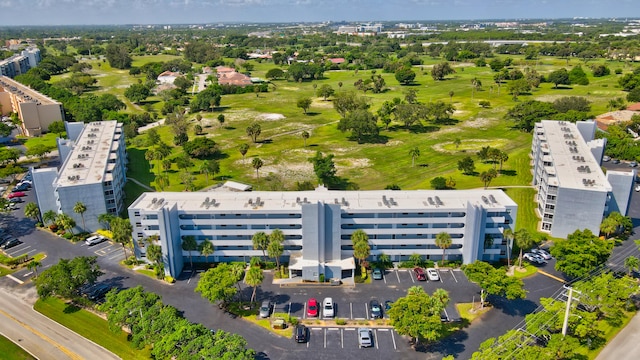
16,194
312,308
420,275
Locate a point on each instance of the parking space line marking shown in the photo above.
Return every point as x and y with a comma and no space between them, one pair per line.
304,314
351,309
383,329
27,274
384,277
454,277
359,319
289,312
375,335
15,279
411,276
350,329
342,339
333,329
398,276
394,341
325,338
316,328
366,310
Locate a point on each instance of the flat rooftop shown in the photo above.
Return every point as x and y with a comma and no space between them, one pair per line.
88,161
375,200
573,163
26,93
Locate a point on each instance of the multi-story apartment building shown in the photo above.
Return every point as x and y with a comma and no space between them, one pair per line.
317,225
20,63
93,172
35,110
572,191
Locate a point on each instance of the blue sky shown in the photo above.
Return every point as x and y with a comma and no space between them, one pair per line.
93,12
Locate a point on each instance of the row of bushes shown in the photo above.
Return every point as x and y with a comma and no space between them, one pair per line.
14,262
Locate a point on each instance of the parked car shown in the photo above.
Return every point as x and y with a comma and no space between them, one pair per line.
4,238
300,333
25,182
328,308
312,307
615,161
98,292
533,258
95,239
637,188
376,309
364,338
22,187
265,309
433,275
420,275
387,305
16,194
16,200
633,164
606,158
376,274
542,253
11,243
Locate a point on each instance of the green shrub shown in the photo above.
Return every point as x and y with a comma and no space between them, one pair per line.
67,235
255,261
341,322
269,265
169,279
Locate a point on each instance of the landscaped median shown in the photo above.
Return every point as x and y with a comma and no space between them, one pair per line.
11,351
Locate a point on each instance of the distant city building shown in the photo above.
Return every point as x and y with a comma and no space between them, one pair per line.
35,110
317,225
20,63
93,172
572,191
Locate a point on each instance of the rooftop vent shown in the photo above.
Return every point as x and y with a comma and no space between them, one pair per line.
493,199
485,200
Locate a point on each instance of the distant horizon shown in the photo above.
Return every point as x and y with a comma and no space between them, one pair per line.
205,12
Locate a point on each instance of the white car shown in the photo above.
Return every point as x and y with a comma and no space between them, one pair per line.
327,308
531,257
637,188
542,253
364,338
432,274
93,240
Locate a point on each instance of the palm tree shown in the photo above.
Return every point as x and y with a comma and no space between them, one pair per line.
31,210
257,164
361,248
261,242
305,136
206,248
443,241
502,158
415,290
49,216
243,148
507,234
524,240
415,258
631,263
276,247
442,295
237,272
105,219
34,265
189,244
209,167
384,260
66,222
80,208
414,153
121,232
254,278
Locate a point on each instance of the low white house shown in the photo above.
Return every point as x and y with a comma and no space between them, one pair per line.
168,77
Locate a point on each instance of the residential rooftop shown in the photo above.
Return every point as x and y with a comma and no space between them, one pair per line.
26,93
574,166
89,162
374,200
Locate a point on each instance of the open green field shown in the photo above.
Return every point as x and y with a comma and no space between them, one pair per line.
90,326
368,165
11,351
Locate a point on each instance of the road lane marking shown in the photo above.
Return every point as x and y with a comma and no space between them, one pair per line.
42,336
15,279
376,337
551,276
325,338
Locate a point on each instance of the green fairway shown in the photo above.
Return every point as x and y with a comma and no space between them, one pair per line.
11,351
90,326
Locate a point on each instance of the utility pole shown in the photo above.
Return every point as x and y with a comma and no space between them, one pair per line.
567,310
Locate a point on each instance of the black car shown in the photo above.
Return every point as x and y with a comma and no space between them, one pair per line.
98,292
300,333
16,200
376,309
23,187
4,238
11,243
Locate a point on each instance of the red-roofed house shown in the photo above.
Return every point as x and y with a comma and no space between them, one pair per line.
634,107
337,61
234,78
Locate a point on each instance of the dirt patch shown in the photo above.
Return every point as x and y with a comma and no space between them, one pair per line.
470,146
320,103
354,163
290,172
478,123
393,143
270,117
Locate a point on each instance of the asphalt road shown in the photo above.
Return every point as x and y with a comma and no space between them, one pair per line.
40,336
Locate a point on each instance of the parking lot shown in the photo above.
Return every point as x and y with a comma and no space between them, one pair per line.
321,338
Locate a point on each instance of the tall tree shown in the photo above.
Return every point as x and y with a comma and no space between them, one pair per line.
494,281
80,208
324,168
305,136
65,278
49,216
254,278
466,165
121,230
209,167
414,153
261,242
581,253
418,315
361,247
631,263
488,176
276,247
253,131
524,241
66,222
443,241
218,284
189,244
243,148
33,265
32,211
206,248
257,164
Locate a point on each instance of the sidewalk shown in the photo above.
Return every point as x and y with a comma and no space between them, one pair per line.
626,345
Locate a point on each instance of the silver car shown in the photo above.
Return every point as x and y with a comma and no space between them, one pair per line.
365,338
265,309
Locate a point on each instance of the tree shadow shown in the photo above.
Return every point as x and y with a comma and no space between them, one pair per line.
508,172
342,183
448,121
229,128
264,141
517,307
71,308
220,108
370,139
451,345
423,165
312,113
423,129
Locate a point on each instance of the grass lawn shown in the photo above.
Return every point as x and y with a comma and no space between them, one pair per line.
465,311
11,351
48,140
132,192
5,271
90,326
527,271
609,333
251,315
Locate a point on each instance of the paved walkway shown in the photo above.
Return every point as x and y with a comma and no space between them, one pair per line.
626,345
141,184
